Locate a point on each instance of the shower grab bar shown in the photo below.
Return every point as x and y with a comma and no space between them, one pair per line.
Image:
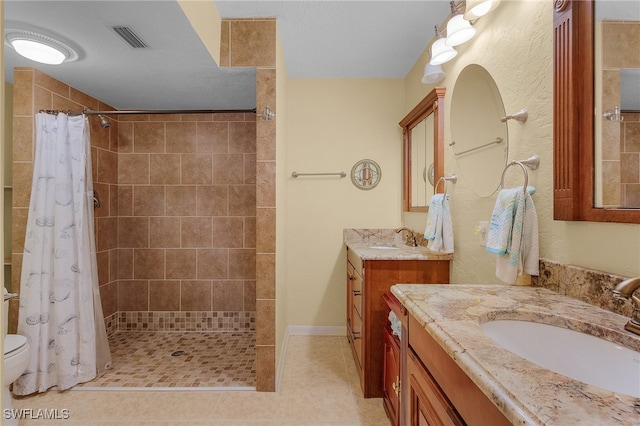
497,141
296,174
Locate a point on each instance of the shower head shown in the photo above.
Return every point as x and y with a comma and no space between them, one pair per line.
104,122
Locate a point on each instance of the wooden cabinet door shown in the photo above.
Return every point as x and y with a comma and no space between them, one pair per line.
428,405
391,381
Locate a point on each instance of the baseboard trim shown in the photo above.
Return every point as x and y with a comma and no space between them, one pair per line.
304,330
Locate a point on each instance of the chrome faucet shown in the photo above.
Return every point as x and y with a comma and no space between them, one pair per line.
625,290
411,238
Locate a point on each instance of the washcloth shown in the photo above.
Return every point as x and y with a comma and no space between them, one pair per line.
394,323
439,229
513,234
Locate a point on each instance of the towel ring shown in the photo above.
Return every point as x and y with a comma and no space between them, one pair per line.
445,179
532,162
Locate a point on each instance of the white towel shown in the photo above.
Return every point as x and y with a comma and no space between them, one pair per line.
439,229
513,234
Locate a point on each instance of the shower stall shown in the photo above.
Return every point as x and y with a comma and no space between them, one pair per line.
175,225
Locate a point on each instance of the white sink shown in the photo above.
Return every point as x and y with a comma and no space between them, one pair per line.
383,247
571,353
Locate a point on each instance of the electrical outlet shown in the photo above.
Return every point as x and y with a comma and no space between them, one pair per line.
481,231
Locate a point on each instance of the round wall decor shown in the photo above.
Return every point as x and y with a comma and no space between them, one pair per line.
366,174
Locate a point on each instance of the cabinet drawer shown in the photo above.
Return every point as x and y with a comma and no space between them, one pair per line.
355,261
428,405
356,337
356,293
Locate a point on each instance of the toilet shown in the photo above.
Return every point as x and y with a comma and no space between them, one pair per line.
16,358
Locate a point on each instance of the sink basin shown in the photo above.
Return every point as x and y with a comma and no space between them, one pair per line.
385,247
571,353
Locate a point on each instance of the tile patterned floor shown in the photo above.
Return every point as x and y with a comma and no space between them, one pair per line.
319,386
208,359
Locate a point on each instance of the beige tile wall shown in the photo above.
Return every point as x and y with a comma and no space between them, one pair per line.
251,42
186,212
620,141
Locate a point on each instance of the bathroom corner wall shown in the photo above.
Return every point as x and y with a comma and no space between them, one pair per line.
252,42
33,91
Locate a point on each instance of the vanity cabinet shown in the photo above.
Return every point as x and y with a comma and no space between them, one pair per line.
367,312
440,393
392,364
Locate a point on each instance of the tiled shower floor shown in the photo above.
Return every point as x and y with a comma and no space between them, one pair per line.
210,359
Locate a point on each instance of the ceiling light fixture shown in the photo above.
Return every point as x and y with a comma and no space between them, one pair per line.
38,47
475,9
440,52
459,30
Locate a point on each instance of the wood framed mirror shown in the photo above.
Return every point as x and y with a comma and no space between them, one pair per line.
423,146
577,164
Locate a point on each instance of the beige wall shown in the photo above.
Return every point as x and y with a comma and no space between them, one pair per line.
332,124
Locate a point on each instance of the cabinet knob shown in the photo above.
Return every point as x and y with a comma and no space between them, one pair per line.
357,292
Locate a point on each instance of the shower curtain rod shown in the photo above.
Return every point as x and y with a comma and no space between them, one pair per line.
161,111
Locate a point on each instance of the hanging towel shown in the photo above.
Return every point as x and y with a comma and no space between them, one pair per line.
513,234
439,229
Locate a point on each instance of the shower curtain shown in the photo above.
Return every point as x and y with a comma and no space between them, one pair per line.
60,310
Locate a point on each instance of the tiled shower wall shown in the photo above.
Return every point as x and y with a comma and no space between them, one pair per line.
620,140
186,220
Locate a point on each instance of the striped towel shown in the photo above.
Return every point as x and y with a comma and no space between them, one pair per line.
513,234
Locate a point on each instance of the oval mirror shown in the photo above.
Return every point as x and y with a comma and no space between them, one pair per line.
479,138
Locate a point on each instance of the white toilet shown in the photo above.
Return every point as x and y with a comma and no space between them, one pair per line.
16,358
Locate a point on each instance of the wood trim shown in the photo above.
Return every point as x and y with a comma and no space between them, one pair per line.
433,103
573,117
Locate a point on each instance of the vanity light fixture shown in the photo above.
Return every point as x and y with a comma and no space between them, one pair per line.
432,74
459,30
440,52
475,9
38,47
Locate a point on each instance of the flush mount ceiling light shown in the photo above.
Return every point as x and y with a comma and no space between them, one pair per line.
38,47
475,9
459,30
440,52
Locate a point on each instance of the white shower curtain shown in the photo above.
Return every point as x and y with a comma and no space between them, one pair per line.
60,311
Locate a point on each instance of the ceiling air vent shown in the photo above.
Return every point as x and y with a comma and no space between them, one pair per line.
130,37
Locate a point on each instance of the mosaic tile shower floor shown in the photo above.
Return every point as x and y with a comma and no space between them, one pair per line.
209,360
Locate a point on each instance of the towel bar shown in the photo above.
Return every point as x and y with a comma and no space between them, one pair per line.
296,174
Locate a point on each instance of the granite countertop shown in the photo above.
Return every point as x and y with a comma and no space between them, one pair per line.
526,393
386,244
